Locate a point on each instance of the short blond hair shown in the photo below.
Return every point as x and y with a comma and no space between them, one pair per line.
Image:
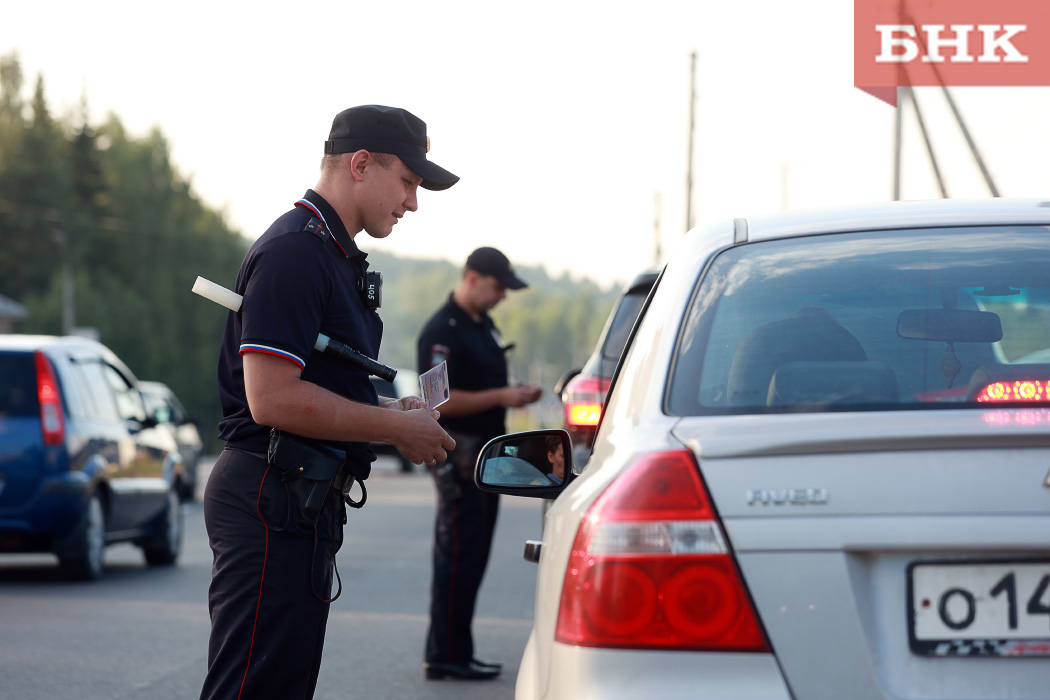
331,160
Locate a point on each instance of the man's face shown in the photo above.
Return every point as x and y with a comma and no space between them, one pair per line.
557,460
388,194
487,292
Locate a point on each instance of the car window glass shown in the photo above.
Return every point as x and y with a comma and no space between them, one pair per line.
18,392
157,406
619,330
94,389
814,323
129,405
72,385
178,412
162,413
77,390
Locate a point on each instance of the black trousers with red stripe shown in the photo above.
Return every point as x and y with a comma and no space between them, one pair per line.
268,627
463,532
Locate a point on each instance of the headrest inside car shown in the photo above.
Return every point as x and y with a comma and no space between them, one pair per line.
838,382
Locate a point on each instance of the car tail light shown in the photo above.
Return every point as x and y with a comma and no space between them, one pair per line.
50,401
1023,390
582,400
650,568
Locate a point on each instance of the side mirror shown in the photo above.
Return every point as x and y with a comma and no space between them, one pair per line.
950,325
559,386
534,464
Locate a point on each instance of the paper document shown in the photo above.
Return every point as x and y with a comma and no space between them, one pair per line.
434,385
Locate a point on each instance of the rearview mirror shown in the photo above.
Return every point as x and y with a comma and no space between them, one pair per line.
950,325
536,464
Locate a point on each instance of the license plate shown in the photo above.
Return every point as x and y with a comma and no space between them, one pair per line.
979,608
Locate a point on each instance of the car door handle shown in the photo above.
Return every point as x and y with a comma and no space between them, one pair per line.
532,550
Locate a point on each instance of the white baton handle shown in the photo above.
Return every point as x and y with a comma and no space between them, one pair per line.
217,293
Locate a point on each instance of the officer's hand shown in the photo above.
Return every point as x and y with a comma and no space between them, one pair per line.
533,392
407,403
518,396
423,440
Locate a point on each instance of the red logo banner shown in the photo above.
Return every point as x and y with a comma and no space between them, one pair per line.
949,42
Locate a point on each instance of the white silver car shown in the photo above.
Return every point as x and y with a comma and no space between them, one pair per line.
823,470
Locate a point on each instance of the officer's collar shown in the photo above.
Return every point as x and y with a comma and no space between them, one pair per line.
317,204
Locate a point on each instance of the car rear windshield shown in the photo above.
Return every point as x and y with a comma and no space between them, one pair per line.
928,318
18,395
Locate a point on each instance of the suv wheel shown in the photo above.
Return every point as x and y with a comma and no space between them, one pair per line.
83,553
164,545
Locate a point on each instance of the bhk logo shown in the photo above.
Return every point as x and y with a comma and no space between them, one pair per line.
949,42
996,44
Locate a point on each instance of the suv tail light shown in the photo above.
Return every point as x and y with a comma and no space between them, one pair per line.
582,400
51,421
650,568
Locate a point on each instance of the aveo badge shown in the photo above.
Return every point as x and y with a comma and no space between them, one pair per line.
795,497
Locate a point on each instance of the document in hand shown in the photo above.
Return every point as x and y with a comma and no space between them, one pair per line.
434,385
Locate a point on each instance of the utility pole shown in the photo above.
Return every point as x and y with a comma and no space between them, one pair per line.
68,318
969,140
929,144
692,120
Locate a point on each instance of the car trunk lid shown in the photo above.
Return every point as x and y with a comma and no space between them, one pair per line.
863,537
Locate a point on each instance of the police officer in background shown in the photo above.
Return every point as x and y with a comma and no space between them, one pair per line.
462,334
274,549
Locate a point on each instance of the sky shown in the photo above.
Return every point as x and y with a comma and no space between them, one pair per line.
568,121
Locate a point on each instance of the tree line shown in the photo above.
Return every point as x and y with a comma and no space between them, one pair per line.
107,210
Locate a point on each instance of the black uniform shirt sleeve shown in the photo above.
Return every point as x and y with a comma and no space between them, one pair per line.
286,290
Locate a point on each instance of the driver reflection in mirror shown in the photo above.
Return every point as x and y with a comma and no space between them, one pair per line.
556,459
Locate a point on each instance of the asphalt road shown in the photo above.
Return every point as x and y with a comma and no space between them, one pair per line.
142,633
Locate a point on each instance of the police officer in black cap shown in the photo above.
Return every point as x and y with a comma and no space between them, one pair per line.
462,334
286,403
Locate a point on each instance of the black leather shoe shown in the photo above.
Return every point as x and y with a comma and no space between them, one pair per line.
487,664
467,672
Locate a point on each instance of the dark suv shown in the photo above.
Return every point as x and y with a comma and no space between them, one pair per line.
583,391
81,464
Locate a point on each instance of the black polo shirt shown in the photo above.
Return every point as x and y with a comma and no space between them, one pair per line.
476,358
299,279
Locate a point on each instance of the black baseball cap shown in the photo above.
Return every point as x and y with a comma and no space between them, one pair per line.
489,261
388,130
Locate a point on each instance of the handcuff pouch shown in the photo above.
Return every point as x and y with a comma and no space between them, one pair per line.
308,468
